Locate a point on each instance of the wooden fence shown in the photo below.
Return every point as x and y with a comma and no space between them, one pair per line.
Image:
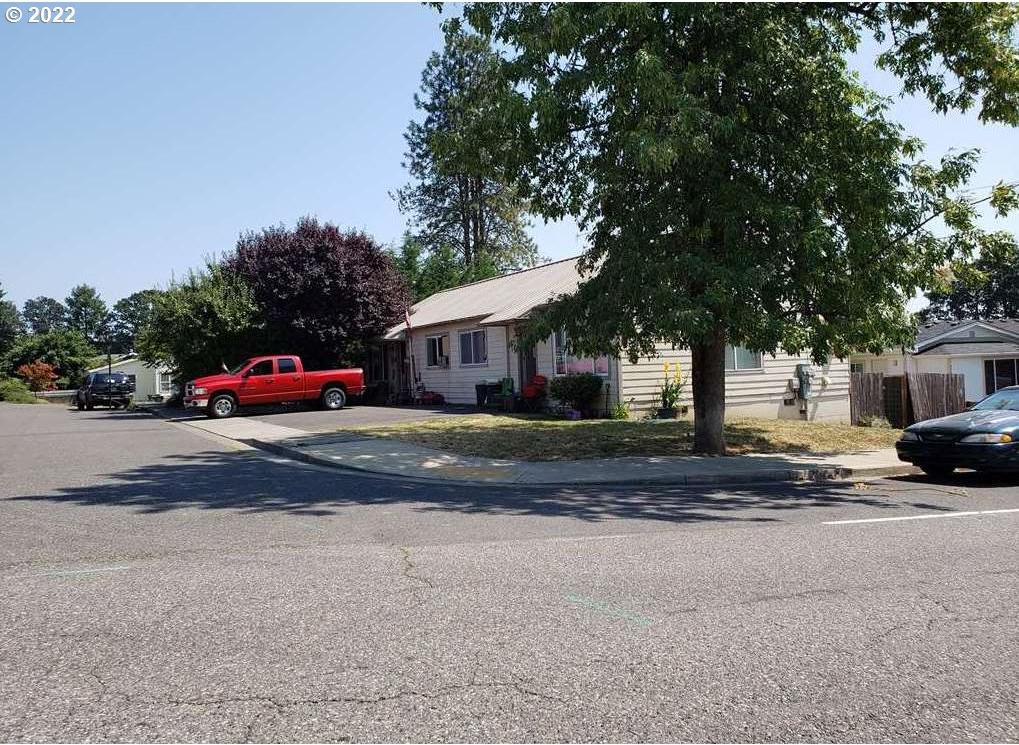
903,400
936,394
865,396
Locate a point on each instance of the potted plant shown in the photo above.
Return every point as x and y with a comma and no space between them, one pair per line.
671,391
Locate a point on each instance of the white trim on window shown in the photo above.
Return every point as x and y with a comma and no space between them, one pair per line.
731,353
561,359
476,359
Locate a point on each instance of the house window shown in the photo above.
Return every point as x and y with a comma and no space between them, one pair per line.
741,358
1000,374
473,347
856,367
435,351
165,383
567,364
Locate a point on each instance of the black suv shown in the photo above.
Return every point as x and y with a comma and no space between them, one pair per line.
105,389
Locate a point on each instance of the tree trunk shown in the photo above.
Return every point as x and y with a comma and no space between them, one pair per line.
708,358
465,219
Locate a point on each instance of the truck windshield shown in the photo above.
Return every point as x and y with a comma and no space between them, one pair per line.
238,368
1008,400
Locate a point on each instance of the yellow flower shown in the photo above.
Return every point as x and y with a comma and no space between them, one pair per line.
665,367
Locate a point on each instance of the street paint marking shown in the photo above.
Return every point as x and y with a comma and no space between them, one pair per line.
608,610
919,517
81,571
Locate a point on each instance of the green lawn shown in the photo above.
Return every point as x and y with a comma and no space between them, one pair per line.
528,437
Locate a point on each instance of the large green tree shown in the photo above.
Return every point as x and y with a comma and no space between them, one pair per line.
458,200
87,313
11,324
197,324
325,293
44,314
67,350
428,272
737,182
130,315
984,287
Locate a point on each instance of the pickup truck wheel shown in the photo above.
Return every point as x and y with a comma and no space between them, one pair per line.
89,405
222,406
334,398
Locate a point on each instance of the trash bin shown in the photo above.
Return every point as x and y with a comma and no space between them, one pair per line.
481,391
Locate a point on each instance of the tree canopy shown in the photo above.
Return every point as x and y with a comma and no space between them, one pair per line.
324,293
458,201
44,314
986,286
203,321
87,313
130,315
11,324
65,349
737,182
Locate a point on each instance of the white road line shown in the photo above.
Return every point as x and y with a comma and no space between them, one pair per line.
81,571
918,517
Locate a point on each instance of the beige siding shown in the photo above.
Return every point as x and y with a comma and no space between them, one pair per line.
758,393
456,383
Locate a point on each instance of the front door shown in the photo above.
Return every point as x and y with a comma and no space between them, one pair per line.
259,384
528,365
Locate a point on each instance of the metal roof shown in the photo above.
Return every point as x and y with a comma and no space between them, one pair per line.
496,301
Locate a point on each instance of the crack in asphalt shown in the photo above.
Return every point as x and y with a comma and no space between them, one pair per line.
409,568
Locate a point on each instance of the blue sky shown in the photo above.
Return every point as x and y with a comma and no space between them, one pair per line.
144,137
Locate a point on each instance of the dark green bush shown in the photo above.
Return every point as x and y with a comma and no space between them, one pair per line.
15,392
579,391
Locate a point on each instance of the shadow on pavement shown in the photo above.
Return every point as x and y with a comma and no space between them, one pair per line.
252,484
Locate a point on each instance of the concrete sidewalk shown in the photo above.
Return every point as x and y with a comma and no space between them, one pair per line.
401,459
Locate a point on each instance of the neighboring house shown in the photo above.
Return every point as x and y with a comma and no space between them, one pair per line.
985,353
466,335
151,382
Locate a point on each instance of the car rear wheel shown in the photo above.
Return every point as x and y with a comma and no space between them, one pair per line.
80,404
222,406
936,469
89,405
334,398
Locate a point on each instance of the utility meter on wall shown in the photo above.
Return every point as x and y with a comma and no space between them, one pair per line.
804,376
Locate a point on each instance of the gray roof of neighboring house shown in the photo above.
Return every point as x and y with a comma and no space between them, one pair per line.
979,347
495,301
930,331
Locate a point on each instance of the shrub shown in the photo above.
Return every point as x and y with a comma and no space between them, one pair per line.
577,391
15,392
875,421
621,410
38,375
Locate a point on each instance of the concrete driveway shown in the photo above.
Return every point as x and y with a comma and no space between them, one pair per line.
157,585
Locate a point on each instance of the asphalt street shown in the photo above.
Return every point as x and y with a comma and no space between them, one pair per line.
156,584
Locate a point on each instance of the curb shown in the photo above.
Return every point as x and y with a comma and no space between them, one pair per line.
821,474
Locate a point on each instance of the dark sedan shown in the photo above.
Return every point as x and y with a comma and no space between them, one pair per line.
985,438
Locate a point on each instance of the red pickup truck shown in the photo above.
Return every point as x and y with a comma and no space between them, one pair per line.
269,380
